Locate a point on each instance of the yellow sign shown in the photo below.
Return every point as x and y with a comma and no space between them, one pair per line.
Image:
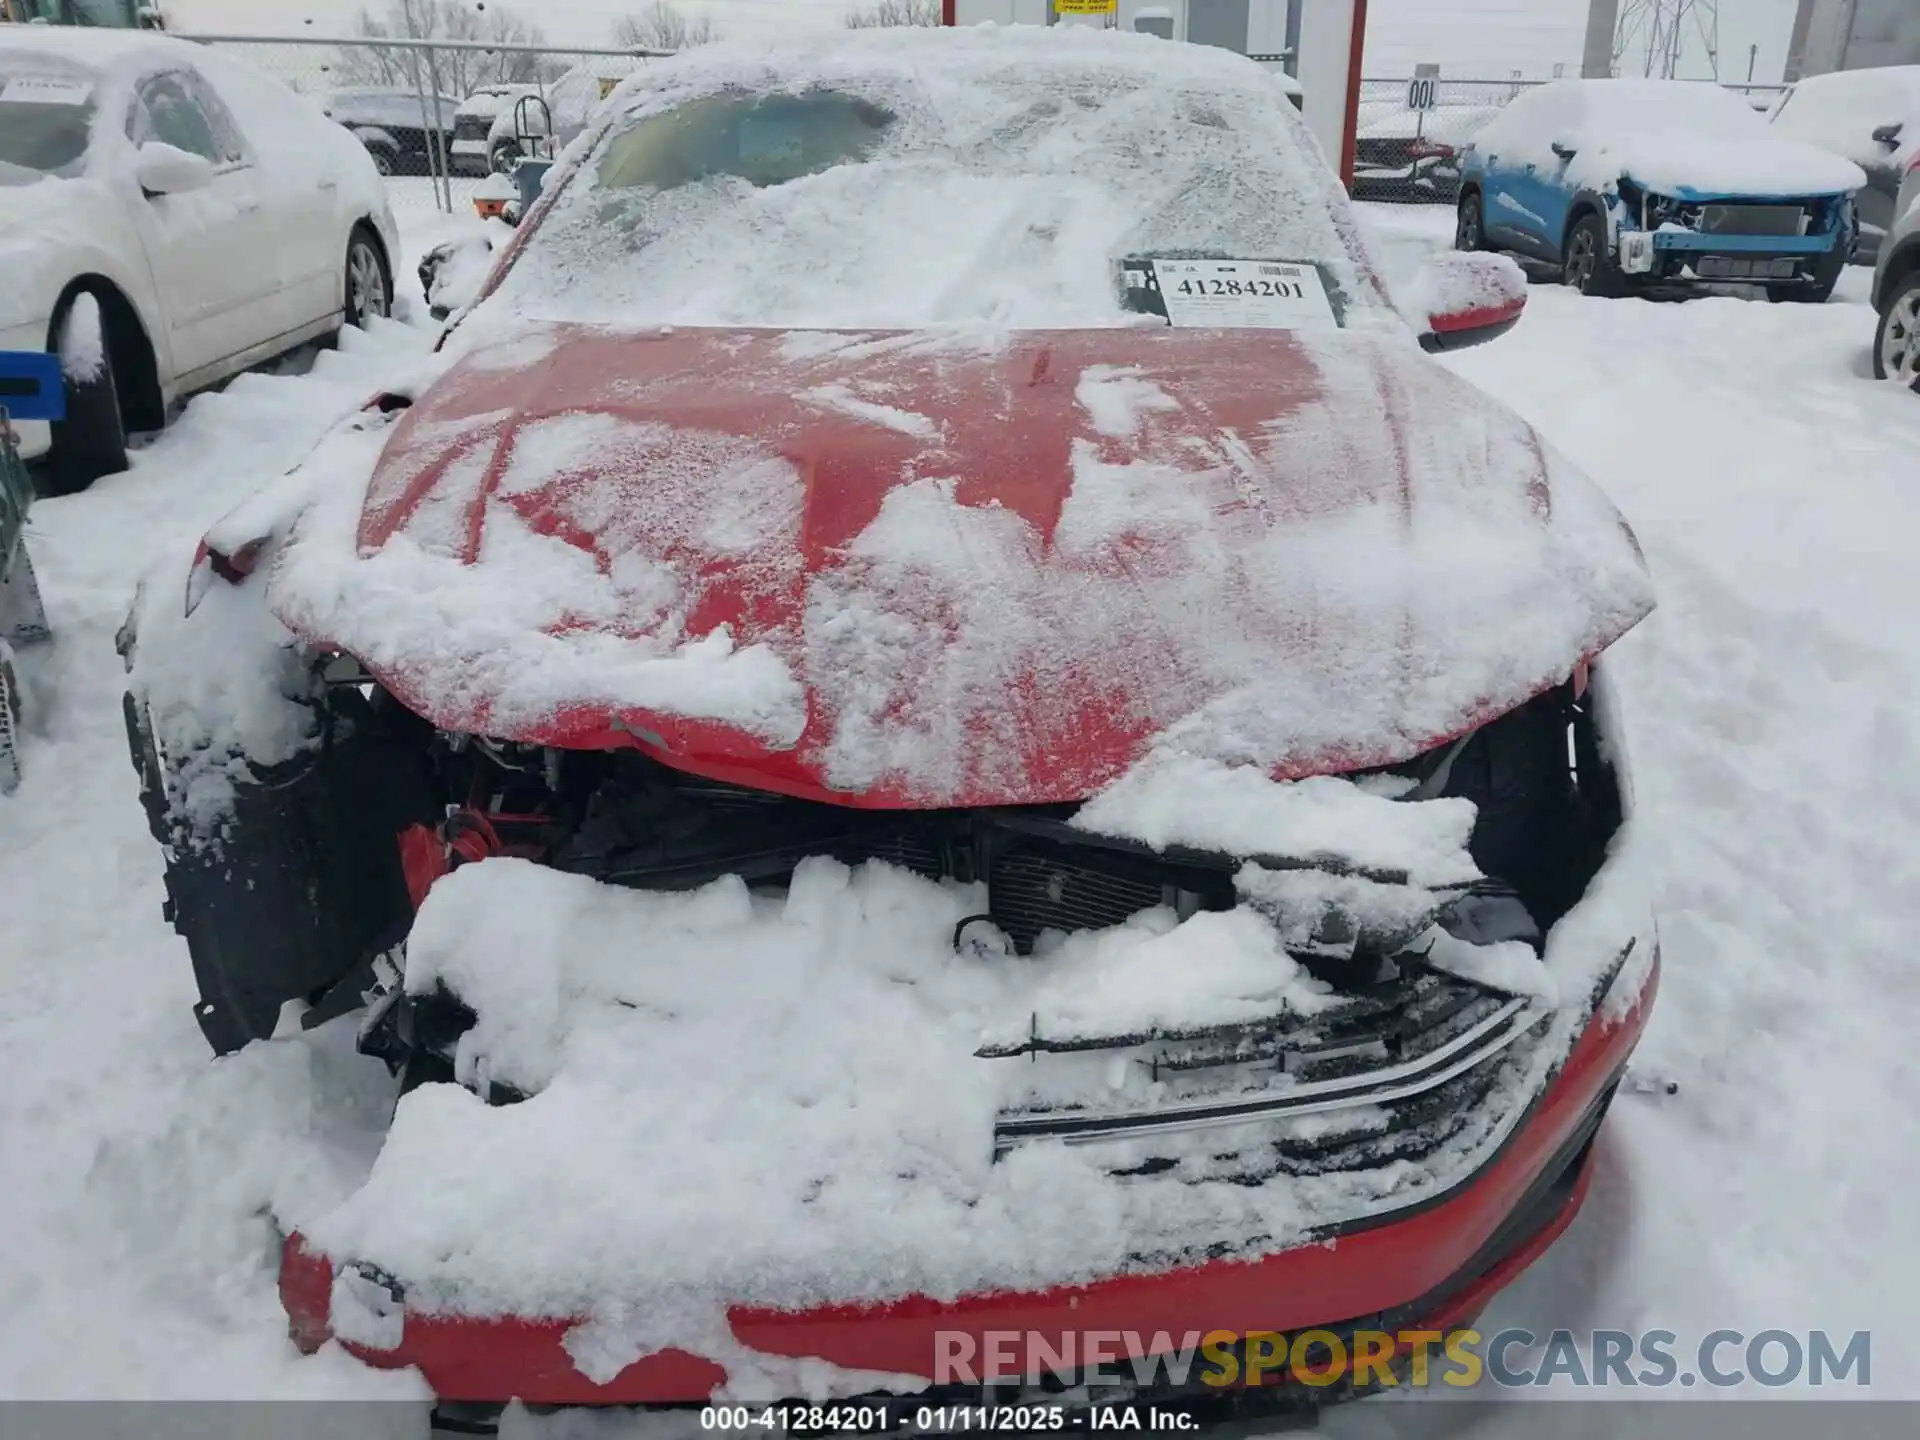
1085,7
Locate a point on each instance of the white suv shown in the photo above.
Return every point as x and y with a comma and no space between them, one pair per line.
1896,290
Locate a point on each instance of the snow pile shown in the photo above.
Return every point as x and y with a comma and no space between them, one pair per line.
776,1101
1331,862
1157,975
1670,136
83,344
454,271
227,692
1186,800
1019,167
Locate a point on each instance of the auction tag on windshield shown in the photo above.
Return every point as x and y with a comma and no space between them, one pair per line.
45,90
1243,294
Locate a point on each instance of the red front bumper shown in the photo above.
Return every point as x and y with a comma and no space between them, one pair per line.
1444,1260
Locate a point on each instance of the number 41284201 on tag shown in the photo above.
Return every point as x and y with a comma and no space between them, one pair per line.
1244,294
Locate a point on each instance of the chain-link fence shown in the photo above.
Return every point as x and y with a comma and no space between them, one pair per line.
1408,144
440,116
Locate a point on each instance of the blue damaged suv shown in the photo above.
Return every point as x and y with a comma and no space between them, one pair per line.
1657,184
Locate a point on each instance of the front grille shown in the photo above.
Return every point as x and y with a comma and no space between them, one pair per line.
908,849
1741,267
1032,889
1753,219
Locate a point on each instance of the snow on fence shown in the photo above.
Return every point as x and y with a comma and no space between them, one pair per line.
426,109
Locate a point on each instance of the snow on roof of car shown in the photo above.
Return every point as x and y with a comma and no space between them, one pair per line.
1840,112
1016,167
100,49
1668,135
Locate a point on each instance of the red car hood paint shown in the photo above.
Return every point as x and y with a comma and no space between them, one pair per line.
998,568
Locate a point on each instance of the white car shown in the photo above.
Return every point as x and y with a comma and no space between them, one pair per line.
1872,117
168,217
1896,290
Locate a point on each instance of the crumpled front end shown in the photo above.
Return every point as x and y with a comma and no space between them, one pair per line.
1700,237
748,1091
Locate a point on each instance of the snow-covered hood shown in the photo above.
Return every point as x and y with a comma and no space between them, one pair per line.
1693,168
957,568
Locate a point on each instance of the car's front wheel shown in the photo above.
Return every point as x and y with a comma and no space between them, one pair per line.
369,288
1469,229
1896,347
1590,267
92,440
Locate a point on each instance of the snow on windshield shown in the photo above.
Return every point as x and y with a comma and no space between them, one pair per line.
47,107
898,179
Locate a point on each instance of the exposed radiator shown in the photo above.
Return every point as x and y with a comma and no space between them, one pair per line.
1030,890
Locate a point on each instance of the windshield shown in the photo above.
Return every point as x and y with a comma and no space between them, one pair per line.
46,117
761,139
1011,184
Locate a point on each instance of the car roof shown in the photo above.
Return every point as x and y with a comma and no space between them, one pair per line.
97,49
900,51
1867,75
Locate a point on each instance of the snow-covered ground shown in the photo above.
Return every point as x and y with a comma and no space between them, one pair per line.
1770,701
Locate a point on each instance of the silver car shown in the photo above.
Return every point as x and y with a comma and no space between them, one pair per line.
1896,290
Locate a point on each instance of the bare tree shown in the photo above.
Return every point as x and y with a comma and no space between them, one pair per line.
663,25
883,14
457,72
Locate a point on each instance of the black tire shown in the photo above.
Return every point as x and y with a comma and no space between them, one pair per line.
92,440
383,159
305,883
1825,280
1896,344
1589,265
1470,222
369,287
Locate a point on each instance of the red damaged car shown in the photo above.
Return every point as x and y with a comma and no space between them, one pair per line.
934,749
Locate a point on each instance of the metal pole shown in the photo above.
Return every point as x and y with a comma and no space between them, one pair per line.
437,143
1596,58
420,94
1753,54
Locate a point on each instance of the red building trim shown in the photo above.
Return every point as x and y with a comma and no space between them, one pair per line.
1356,48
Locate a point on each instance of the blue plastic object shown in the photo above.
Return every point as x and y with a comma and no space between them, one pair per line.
31,386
